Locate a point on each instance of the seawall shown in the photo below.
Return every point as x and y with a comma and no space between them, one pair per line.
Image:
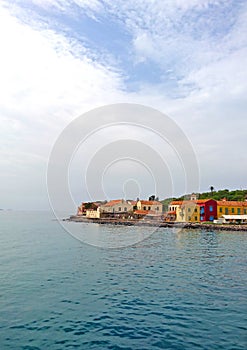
156,223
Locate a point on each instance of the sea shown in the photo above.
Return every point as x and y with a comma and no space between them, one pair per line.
184,289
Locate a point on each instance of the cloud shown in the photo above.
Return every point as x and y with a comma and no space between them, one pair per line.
40,76
184,57
43,86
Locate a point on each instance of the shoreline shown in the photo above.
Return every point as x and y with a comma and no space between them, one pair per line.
162,224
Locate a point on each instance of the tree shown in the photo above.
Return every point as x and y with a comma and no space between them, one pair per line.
212,189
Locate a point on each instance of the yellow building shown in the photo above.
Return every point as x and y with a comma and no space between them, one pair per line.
225,207
186,211
194,210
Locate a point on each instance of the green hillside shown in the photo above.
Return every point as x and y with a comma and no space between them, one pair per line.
234,195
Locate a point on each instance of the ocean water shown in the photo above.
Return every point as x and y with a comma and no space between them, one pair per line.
174,290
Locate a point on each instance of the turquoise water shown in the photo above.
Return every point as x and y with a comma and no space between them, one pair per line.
175,290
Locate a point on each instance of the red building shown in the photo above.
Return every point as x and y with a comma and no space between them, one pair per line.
193,210
208,209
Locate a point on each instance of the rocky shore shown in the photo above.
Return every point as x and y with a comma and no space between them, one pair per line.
156,223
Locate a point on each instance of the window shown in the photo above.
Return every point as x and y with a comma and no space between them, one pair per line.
119,209
149,208
125,209
202,210
189,218
196,211
220,209
195,218
211,208
239,211
157,208
232,210
211,218
245,211
201,218
144,208
226,211
188,210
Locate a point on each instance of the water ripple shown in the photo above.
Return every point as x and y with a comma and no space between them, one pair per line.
183,290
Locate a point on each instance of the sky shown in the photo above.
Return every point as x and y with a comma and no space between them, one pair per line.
61,59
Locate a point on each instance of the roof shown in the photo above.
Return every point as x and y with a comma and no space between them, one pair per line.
171,212
118,201
201,201
112,202
232,203
176,202
235,217
150,202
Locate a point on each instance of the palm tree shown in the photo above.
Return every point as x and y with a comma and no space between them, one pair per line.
212,189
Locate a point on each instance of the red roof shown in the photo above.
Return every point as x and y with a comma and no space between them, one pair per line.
112,203
151,203
176,202
201,201
171,213
145,212
232,203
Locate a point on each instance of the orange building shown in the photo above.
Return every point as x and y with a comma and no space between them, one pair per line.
225,207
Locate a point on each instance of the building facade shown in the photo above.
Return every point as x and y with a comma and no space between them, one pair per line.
225,207
93,214
117,206
199,210
153,206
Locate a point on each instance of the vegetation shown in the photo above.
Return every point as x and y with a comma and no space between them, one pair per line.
166,203
234,195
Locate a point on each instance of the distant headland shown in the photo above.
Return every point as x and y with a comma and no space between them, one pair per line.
220,210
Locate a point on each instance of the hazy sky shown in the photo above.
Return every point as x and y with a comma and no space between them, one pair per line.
59,59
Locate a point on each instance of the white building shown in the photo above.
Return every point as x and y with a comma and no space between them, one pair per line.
237,219
93,214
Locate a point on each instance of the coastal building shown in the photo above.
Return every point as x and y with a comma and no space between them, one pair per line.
199,210
184,211
232,219
154,206
93,214
171,215
148,209
117,206
225,207
81,210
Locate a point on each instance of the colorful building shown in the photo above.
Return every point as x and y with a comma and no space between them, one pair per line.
225,207
199,210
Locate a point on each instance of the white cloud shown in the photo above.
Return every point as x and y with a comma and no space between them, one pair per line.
43,86
47,79
40,77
